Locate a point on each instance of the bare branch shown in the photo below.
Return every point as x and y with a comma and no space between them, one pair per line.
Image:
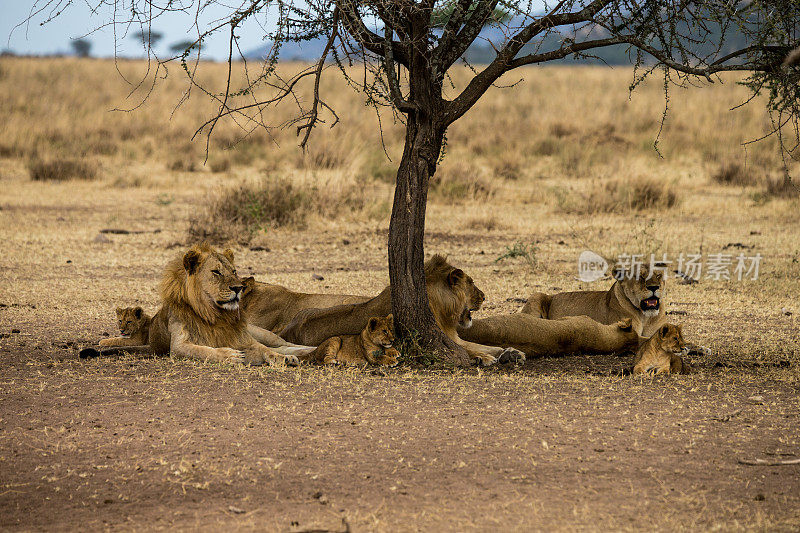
394,86
313,115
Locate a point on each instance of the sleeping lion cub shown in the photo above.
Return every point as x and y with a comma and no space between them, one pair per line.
373,345
659,355
134,325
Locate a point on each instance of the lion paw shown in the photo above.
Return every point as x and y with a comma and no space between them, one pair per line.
230,355
485,360
511,355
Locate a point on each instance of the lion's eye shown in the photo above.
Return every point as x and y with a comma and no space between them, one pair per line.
216,272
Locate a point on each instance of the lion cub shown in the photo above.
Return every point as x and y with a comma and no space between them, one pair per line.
134,325
373,345
659,354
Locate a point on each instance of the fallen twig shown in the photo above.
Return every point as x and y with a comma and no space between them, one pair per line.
764,462
117,231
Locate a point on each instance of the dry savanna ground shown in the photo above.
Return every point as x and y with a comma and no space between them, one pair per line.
536,173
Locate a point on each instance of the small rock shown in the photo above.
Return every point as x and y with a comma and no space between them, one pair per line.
317,277
102,239
15,330
236,510
260,248
69,261
758,400
345,242
760,497
786,311
561,242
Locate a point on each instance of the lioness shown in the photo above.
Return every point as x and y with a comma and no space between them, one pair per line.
200,319
134,325
272,307
452,296
373,346
660,354
634,297
538,336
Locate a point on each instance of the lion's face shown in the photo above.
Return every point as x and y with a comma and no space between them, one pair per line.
643,291
452,294
130,320
671,338
381,330
214,276
475,299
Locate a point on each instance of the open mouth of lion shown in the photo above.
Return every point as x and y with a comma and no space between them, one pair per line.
650,304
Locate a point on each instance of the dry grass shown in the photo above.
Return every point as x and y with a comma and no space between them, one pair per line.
61,170
237,213
240,212
459,181
734,174
620,196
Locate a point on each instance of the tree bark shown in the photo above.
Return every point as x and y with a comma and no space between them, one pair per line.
412,314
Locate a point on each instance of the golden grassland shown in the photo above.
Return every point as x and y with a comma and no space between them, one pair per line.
535,174
562,162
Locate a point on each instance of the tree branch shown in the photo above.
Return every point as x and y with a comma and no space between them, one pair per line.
314,116
451,48
368,39
394,86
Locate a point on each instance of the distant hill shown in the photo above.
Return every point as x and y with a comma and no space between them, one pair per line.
481,52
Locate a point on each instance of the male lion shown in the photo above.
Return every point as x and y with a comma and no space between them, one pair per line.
659,355
538,336
200,319
272,307
452,296
134,325
373,346
636,297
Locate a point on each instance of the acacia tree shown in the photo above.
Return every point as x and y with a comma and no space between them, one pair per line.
406,49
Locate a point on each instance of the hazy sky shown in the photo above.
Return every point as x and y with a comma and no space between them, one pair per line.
77,20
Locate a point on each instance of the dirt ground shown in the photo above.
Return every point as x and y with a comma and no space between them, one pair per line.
137,443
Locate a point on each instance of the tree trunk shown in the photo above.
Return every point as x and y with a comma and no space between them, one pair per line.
412,315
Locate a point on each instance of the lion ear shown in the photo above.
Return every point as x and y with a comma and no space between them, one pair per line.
373,323
119,311
249,282
664,331
190,260
618,272
228,253
138,312
455,276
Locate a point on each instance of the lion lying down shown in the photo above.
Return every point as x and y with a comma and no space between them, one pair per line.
134,325
452,296
659,355
272,307
373,346
200,318
539,337
636,297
